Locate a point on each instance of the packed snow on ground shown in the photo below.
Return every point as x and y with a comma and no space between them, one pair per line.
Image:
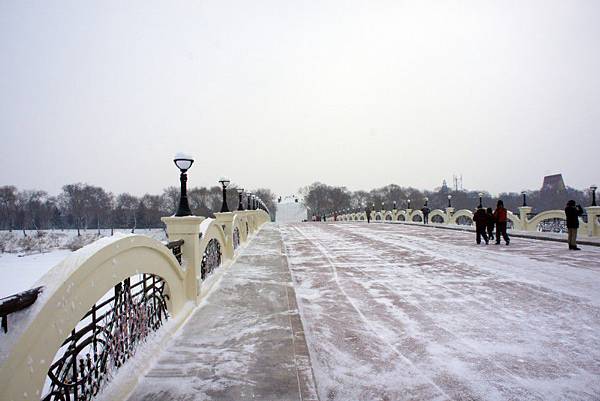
20,273
26,259
408,312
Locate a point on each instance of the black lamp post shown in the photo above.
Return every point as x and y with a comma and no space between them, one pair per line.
253,202
183,163
480,200
524,198
240,192
408,203
249,201
593,188
394,207
426,200
224,182
382,206
449,200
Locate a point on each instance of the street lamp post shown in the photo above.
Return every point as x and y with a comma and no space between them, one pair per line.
224,182
480,200
449,200
593,188
240,192
408,203
426,200
395,206
183,163
382,206
524,198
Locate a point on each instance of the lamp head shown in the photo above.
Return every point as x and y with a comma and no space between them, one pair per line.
594,187
224,181
240,190
183,161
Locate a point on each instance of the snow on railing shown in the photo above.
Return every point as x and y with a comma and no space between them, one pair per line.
17,302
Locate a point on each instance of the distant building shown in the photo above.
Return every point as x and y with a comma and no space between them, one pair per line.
290,210
553,183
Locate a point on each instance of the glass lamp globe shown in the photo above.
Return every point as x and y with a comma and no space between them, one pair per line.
224,181
183,161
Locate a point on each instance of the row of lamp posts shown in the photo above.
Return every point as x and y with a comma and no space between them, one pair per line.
183,163
593,189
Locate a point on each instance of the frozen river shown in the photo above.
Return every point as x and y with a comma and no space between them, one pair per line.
394,312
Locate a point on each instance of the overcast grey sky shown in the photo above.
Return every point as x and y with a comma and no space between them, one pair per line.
283,93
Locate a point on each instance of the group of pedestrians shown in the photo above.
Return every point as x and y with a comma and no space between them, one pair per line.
485,221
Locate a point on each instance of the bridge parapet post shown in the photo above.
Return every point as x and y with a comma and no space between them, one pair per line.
524,223
449,212
409,214
225,220
187,228
593,226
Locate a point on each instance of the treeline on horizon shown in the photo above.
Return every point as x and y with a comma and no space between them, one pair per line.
323,199
82,206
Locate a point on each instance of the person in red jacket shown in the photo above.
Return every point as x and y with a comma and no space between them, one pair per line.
501,217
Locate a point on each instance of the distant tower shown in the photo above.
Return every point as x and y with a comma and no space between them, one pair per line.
444,186
458,182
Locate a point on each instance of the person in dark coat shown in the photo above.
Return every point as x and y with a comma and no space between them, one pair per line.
501,218
491,223
481,218
425,212
368,213
572,213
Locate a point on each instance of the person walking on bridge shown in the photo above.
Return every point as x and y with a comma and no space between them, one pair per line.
572,213
501,217
481,218
491,222
425,212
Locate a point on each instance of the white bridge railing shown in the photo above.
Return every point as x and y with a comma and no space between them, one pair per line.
104,299
550,220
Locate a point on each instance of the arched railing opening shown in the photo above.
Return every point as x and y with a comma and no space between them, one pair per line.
106,337
388,217
211,258
378,217
401,217
437,219
417,218
554,225
464,221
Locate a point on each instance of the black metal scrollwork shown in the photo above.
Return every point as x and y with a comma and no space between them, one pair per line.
553,226
106,337
211,258
236,238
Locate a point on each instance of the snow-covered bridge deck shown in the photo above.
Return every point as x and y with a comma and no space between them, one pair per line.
390,312
405,312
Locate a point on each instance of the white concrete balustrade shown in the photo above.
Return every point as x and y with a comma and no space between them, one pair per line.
73,287
521,222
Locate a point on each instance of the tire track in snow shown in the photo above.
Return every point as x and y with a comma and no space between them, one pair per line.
367,322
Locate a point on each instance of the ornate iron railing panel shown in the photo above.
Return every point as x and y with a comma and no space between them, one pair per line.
400,217
553,226
175,247
464,221
236,238
106,337
388,217
211,258
417,217
437,219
